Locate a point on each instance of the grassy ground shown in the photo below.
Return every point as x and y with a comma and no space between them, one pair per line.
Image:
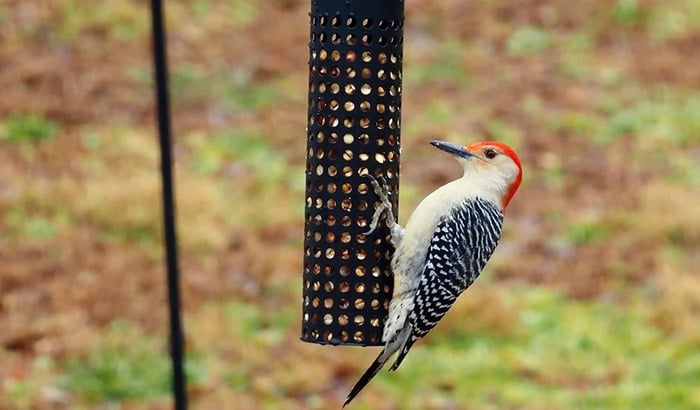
591,301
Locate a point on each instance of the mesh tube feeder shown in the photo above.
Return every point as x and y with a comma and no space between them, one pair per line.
355,63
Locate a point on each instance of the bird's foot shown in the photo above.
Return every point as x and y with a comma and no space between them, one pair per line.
381,188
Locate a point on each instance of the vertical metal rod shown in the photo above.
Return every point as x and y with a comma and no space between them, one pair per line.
161,81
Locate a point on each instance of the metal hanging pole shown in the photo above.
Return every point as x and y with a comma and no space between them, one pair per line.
161,81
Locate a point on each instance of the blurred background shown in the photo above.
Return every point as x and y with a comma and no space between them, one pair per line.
592,300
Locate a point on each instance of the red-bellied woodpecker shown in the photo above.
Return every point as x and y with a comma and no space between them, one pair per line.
446,243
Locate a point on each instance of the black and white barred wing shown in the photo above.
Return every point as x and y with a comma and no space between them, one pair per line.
459,250
460,247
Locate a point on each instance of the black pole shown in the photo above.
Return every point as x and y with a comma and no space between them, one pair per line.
161,79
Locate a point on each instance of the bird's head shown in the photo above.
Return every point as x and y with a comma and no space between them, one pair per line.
493,163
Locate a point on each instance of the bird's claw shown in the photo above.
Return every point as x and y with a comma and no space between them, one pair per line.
381,188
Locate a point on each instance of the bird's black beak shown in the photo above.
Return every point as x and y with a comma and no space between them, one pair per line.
453,149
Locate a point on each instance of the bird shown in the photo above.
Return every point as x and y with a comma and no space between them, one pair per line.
447,241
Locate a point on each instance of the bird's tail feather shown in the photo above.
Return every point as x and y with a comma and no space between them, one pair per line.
369,374
402,354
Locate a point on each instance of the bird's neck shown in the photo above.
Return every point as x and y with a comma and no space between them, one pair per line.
480,185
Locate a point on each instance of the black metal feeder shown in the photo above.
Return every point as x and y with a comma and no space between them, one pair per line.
355,63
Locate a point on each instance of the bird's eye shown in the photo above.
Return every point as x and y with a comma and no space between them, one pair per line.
490,153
